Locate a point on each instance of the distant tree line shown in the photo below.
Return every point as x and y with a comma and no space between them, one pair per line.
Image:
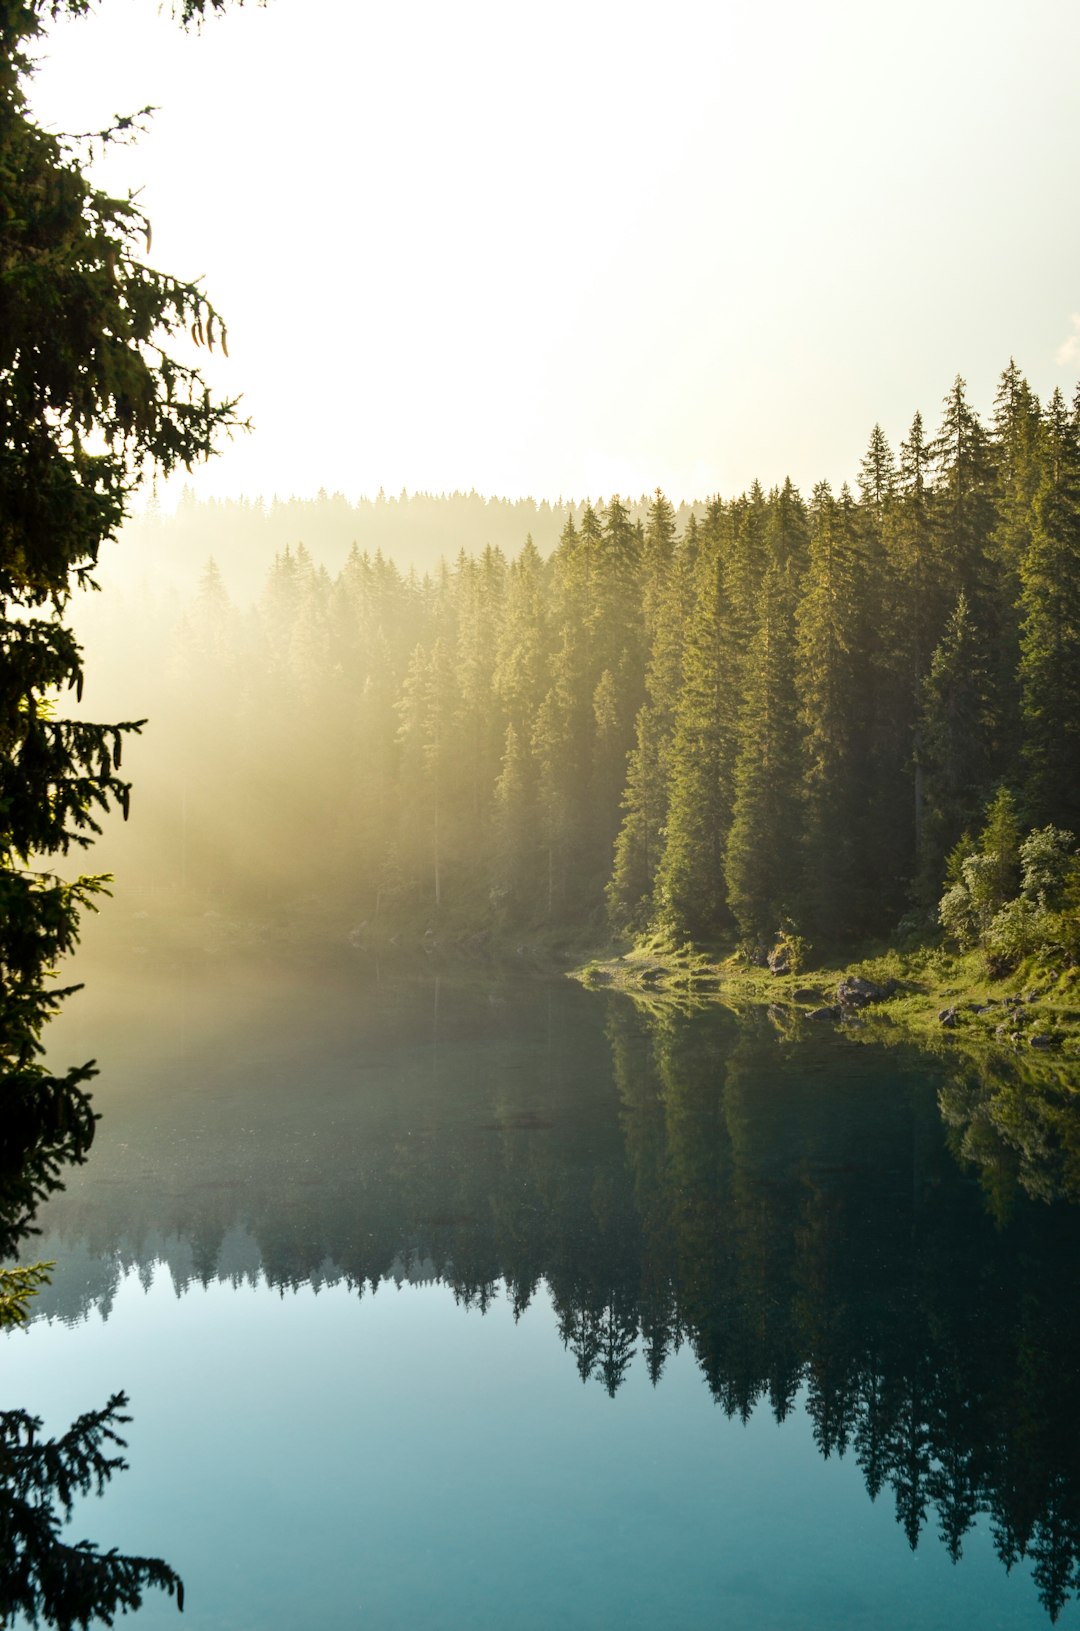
785,710
414,529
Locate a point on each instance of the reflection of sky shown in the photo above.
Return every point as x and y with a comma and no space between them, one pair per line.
319,1460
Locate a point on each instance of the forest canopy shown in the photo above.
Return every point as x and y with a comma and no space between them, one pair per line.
769,708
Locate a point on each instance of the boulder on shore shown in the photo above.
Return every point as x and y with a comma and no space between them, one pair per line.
854,992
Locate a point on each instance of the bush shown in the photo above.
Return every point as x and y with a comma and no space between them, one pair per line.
957,916
1048,858
1021,927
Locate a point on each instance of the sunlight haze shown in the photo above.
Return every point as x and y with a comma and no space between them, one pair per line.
581,249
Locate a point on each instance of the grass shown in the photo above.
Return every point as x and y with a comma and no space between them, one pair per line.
1033,1011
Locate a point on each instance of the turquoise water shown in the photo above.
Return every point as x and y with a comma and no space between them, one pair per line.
459,1300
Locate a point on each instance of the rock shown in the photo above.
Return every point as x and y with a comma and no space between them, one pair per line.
1043,1042
835,1012
948,1016
806,993
779,959
853,992
758,958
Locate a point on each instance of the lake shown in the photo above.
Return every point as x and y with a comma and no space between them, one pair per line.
451,1295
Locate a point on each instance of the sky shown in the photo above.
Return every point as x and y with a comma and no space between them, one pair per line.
589,247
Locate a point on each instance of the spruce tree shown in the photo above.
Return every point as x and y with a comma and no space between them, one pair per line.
832,685
1050,638
690,886
954,738
639,844
762,859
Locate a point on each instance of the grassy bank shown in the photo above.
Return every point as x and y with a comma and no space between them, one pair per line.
936,998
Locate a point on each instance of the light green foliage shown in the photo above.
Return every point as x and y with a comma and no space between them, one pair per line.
999,846
17,1286
983,876
1014,899
698,720
1021,927
1048,859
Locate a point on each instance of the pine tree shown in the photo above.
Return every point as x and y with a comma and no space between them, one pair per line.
953,734
916,605
745,565
690,885
657,557
963,500
428,709
639,844
479,593
761,865
517,830
1017,448
1050,639
877,475
832,675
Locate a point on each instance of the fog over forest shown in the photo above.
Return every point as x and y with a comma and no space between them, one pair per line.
770,709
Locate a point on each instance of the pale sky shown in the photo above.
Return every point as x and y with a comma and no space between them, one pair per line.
592,247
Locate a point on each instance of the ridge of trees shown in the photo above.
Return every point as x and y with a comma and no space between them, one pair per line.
786,710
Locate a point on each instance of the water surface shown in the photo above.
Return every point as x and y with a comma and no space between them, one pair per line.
447,1297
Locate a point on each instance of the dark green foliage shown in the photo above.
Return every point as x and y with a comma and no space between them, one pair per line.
91,396
43,1577
761,862
760,710
953,739
691,896
832,685
1050,632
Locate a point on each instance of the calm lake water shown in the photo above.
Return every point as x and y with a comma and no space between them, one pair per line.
461,1299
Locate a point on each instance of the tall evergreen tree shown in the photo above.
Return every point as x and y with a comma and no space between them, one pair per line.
832,675
1050,640
639,844
690,886
954,742
761,864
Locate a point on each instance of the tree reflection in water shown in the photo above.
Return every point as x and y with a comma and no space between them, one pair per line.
796,1211
49,1124
818,1233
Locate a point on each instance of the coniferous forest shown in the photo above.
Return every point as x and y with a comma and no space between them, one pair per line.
791,709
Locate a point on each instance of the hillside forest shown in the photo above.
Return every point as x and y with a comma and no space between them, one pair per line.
819,711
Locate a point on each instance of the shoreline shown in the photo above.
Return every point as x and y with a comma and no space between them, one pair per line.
943,1001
